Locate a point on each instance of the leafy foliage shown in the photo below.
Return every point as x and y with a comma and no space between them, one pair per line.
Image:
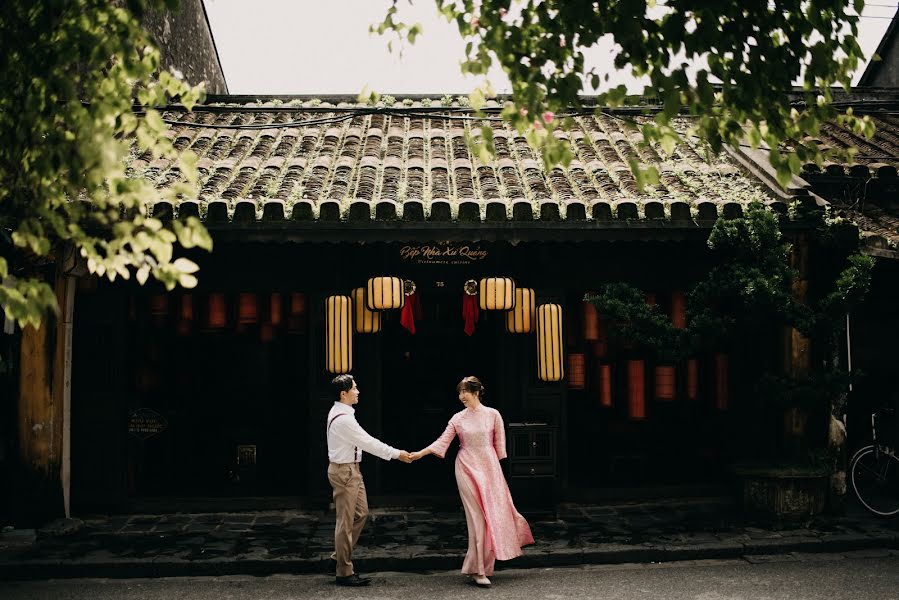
749,290
730,64
78,87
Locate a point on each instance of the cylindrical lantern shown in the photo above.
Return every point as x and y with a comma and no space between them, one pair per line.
187,315
678,310
338,334
636,389
665,382
247,309
605,385
274,309
496,293
159,306
385,293
692,379
590,321
296,320
576,371
521,318
217,314
364,321
651,298
721,384
187,308
549,342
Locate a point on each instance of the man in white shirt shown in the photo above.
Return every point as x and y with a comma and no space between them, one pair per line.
346,441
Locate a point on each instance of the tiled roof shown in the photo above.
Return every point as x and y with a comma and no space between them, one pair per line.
295,164
867,192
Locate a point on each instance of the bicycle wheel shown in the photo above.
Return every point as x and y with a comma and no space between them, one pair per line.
875,479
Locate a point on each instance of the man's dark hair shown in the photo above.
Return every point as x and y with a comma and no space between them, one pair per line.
342,383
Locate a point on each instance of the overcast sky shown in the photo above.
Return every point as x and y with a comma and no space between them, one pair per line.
323,47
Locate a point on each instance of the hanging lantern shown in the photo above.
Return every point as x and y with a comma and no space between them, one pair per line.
590,321
651,298
159,306
247,308
678,310
217,315
636,389
296,320
187,315
521,318
665,382
605,385
576,371
266,332
496,293
339,334
274,309
692,379
721,384
549,342
364,321
187,308
385,293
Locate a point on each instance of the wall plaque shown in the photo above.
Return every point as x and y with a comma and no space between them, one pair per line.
145,422
443,253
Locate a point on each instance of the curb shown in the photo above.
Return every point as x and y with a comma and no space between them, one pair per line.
601,554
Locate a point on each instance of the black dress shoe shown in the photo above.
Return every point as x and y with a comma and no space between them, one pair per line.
352,580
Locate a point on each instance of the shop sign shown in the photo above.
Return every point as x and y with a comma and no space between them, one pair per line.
144,423
443,253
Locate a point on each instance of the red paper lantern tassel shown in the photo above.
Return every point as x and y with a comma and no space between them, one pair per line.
411,311
470,312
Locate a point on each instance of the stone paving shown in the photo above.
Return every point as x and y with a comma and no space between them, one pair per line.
412,539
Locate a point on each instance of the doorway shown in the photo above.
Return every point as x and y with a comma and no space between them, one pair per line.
420,374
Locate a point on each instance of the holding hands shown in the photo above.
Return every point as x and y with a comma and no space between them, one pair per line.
408,457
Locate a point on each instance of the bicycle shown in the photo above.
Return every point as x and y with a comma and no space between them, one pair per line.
874,470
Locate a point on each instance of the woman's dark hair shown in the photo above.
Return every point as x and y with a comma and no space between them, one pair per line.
342,383
471,384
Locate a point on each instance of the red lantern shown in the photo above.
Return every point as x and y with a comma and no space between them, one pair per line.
247,309
678,310
217,314
721,384
590,321
266,332
274,313
651,298
692,379
296,321
636,389
187,308
605,385
159,306
665,381
576,375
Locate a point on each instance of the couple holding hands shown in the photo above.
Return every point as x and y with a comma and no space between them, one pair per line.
496,531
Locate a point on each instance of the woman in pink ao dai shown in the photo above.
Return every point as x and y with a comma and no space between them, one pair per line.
495,529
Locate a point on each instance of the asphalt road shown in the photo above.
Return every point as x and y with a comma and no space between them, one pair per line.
867,575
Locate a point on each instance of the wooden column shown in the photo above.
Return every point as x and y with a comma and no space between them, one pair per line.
43,412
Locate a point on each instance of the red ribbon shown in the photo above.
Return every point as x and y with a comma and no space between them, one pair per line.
470,312
411,311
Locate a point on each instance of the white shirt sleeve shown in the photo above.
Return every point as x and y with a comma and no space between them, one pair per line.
349,430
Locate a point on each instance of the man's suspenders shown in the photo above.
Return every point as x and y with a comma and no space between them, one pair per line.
355,449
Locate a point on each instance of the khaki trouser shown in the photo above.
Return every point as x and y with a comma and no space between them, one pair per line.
351,505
